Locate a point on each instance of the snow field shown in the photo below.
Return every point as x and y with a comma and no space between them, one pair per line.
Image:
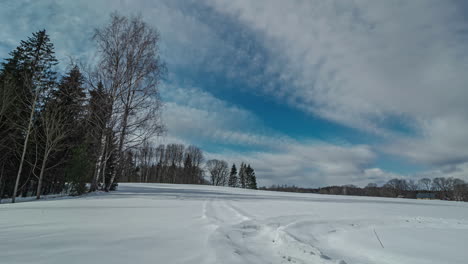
162,223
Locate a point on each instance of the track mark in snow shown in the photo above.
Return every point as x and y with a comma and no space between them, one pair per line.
240,238
204,210
222,214
239,213
298,251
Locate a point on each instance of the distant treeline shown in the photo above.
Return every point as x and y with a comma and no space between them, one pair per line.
438,188
176,163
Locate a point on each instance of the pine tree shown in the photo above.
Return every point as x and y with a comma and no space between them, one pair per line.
32,62
70,97
242,175
64,119
251,178
11,111
233,176
78,170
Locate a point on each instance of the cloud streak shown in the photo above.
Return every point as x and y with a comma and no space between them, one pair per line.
378,66
195,115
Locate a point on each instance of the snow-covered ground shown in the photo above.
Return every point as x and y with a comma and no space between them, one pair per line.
160,223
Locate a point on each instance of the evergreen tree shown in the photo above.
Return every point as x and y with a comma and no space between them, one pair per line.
70,98
242,175
77,173
10,112
251,179
32,65
67,102
233,176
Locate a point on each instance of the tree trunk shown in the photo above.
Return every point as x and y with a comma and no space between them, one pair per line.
41,176
104,165
120,148
25,146
1,182
97,169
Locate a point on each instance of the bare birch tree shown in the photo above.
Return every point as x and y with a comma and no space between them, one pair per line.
196,156
130,69
219,171
54,132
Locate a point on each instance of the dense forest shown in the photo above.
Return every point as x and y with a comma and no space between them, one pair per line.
91,126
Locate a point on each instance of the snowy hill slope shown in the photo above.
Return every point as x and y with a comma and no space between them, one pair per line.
160,223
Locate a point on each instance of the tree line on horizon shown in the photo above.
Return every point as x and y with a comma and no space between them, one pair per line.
85,129
443,188
221,176
176,163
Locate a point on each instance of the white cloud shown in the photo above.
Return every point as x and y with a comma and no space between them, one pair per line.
308,164
443,142
197,115
366,64
363,64
459,171
194,115
186,39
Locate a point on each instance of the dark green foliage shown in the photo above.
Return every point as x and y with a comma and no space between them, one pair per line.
232,182
251,179
31,66
27,79
78,171
28,73
70,98
242,176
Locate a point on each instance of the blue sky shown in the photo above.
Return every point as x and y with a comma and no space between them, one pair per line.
310,93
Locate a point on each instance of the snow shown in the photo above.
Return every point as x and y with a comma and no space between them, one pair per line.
162,223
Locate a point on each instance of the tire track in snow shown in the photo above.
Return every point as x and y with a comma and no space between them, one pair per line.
239,213
240,238
204,216
220,213
224,243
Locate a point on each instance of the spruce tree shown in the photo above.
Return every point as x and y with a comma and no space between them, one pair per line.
69,101
233,176
78,170
11,111
32,62
70,98
251,178
242,176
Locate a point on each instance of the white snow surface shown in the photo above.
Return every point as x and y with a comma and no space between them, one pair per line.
163,223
